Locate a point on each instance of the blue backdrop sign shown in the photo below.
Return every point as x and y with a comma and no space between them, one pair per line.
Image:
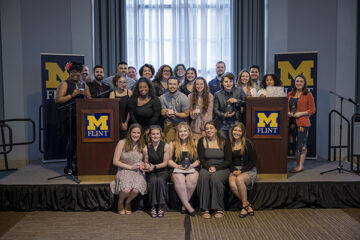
287,67
52,74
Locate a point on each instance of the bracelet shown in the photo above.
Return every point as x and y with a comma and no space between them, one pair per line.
155,167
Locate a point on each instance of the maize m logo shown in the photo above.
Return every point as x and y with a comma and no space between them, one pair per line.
97,125
288,72
55,76
267,123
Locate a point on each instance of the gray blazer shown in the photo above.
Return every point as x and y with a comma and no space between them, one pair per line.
220,103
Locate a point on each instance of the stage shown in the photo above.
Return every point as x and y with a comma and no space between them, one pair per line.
28,189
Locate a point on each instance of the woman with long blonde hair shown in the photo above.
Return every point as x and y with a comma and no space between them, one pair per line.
130,157
243,167
184,161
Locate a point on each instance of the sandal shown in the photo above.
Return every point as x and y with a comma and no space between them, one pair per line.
121,209
161,213
242,215
219,214
128,208
250,213
206,215
153,213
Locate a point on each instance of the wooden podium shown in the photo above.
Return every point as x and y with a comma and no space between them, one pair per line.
97,136
267,128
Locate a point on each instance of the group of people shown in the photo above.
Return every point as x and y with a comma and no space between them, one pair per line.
145,161
177,120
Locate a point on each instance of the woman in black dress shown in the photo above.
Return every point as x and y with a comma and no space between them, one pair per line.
123,95
215,157
243,167
144,106
158,157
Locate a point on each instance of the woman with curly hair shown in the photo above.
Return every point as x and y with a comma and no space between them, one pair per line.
243,167
160,80
201,107
144,106
269,80
184,161
147,71
130,157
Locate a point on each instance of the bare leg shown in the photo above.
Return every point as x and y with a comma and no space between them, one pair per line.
123,194
180,188
133,194
191,181
302,159
241,181
233,187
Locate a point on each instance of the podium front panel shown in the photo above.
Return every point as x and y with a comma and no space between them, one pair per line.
98,133
267,128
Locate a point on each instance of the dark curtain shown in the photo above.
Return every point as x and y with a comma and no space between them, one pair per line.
2,114
248,34
109,32
357,96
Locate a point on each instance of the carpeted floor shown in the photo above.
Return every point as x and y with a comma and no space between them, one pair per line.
270,224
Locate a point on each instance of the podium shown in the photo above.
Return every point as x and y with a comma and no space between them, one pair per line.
97,136
267,128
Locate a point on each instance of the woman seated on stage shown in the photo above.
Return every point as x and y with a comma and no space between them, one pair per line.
184,161
144,106
269,80
243,81
190,77
201,107
179,73
130,156
301,106
228,104
160,81
215,157
123,95
159,155
243,167
147,71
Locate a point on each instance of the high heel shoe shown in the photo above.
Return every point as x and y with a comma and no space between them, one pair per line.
192,214
183,210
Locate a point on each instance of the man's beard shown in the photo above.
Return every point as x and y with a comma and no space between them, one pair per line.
99,78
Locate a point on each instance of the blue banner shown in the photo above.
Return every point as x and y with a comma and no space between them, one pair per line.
287,67
52,74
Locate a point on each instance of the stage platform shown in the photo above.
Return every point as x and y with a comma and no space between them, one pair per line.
28,189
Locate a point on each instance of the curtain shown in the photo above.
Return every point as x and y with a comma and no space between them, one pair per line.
196,33
109,34
248,29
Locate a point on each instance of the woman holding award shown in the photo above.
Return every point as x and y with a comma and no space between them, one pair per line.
130,157
301,106
184,162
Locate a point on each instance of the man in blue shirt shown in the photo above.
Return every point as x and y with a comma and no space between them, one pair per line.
214,84
122,70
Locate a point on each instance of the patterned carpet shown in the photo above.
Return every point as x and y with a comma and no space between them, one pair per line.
270,224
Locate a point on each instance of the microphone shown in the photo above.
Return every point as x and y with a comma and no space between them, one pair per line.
102,93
